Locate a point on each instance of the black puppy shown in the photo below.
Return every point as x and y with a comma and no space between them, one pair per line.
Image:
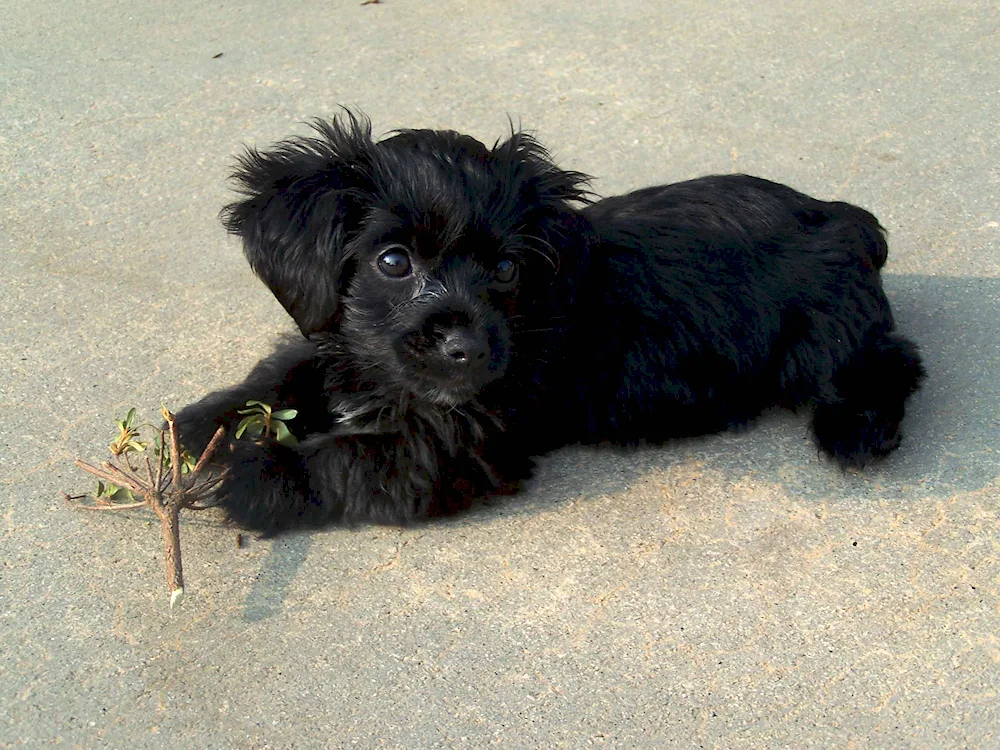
465,308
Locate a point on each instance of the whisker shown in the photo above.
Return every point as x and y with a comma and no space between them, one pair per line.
552,257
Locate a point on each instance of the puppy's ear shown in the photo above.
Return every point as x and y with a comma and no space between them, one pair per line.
549,198
532,169
299,200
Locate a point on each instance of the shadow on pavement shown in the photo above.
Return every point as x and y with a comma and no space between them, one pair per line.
279,569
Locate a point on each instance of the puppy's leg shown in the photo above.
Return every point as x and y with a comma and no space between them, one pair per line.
327,479
266,489
281,380
864,421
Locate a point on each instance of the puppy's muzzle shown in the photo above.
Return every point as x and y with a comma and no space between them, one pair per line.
458,342
457,349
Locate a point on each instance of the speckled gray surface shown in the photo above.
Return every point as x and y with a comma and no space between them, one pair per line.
730,591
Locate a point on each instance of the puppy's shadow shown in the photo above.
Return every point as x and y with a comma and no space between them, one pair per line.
951,426
950,430
276,574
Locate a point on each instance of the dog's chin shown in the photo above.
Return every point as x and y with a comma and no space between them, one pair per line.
447,394
442,391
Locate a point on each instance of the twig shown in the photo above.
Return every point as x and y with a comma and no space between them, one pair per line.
114,475
149,473
167,497
209,451
112,506
175,448
159,465
129,479
100,503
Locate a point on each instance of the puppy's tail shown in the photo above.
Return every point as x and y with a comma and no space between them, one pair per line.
863,422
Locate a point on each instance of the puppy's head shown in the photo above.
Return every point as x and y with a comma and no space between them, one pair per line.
426,252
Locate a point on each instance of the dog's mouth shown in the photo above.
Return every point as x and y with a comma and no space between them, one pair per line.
450,387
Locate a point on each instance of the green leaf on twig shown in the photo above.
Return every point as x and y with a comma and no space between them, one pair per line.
112,493
128,436
261,420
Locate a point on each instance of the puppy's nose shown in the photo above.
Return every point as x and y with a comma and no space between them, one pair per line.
463,347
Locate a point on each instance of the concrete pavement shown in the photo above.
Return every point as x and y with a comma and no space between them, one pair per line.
729,591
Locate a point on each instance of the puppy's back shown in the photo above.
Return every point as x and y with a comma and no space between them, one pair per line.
745,209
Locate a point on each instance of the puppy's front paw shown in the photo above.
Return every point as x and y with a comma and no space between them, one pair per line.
196,426
265,489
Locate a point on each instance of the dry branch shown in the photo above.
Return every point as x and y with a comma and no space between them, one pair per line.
166,495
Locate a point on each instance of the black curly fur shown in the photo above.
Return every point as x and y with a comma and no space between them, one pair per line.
669,311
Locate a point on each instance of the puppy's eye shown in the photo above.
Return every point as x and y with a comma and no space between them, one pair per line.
506,270
395,262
